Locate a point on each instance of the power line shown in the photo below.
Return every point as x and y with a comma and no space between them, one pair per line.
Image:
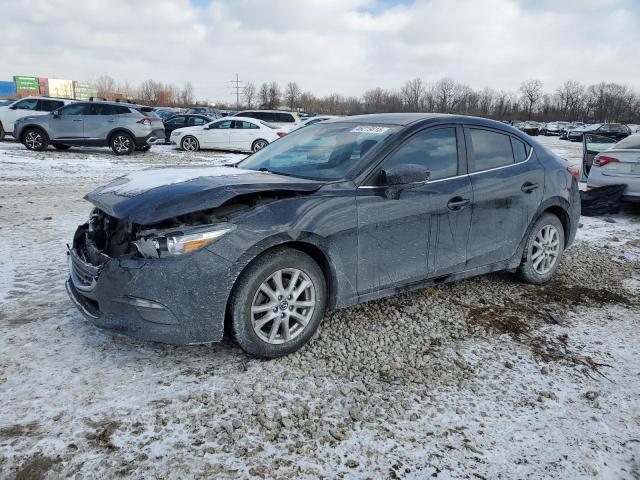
236,86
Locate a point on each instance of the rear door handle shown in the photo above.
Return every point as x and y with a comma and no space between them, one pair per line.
458,203
529,187
77,120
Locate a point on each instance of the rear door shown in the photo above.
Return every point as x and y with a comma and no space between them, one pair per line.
422,233
69,124
508,185
242,135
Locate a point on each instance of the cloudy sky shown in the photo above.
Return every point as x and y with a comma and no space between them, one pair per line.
343,46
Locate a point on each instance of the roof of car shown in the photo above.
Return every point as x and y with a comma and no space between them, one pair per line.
403,118
268,111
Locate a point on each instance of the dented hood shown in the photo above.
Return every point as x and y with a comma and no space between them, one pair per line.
150,196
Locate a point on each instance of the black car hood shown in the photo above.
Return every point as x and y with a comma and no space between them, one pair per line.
150,196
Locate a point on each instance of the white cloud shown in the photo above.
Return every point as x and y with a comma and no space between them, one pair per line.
325,45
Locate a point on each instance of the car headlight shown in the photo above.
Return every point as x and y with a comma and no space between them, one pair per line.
176,134
180,242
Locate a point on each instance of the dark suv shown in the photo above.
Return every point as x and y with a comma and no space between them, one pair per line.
334,214
121,126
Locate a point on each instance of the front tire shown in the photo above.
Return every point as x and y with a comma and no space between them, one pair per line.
35,139
278,303
543,250
190,144
122,143
259,145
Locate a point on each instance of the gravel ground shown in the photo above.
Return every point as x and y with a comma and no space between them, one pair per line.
485,378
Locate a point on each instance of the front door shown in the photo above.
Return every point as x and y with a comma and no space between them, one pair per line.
216,135
69,122
422,232
508,185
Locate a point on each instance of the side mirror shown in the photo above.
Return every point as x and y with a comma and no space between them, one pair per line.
13,107
56,114
403,177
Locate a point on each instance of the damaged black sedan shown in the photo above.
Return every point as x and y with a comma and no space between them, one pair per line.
331,215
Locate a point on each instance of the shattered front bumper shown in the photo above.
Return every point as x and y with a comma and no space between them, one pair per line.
178,300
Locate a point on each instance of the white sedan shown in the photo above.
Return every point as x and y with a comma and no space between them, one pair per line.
229,133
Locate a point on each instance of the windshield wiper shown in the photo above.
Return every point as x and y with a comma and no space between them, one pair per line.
265,169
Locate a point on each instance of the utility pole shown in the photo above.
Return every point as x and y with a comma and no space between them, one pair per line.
236,85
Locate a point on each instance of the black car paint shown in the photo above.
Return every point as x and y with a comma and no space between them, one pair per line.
188,122
368,245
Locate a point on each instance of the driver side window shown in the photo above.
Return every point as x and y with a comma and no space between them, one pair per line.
435,150
221,125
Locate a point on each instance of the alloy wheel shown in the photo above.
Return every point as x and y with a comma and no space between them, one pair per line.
190,144
33,140
121,144
259,145
545,249
283,306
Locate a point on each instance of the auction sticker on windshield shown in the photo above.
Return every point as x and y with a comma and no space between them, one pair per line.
369,129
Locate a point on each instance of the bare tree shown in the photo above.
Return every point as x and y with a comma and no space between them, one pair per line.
263,94
274,95
531,93
413,95
249,93
186,95
105,86
292,94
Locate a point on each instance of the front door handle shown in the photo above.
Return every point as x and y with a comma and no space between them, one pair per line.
458,203
529,187
77,120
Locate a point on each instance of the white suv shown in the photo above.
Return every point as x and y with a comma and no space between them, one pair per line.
27,106
274,117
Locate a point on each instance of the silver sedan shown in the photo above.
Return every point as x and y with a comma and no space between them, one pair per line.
619,165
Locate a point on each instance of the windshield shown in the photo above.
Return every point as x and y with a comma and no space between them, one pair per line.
324,151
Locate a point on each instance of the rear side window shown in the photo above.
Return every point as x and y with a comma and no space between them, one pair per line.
49,105
520,149
176,121
491,149
285,118
436,150
244,125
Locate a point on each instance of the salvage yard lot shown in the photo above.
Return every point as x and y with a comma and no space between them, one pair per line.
485,378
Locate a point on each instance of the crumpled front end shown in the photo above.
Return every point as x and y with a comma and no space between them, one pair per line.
177,300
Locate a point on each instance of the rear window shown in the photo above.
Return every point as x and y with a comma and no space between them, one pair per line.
629,143
491,149
285,118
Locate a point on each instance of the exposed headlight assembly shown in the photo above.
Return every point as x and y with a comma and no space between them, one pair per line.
179,242
176,133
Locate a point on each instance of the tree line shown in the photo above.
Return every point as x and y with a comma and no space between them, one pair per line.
571,101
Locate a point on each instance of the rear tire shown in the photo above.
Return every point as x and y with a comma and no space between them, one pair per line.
543,250
122,143
190,144
60,146
277,303
35,139
259,145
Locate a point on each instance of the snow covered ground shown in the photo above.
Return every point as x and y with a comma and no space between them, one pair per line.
485,378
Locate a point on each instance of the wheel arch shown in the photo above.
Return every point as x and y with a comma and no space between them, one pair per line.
308,245
30,126
119,130
557,206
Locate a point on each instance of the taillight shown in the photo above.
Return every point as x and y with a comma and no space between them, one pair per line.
574,171
281,134
145,121
602,160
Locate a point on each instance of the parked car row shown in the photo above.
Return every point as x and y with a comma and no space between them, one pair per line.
38,122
